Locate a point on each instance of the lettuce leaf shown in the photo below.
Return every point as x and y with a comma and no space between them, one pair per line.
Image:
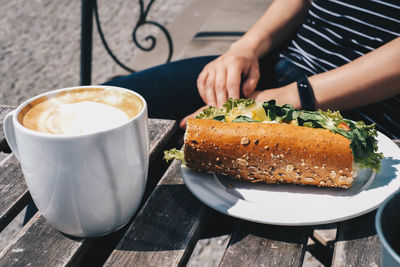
362,137
242,118
241,103
211,112
363,143
230,106
174,154
285,113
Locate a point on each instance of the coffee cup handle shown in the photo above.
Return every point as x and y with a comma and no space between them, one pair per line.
9,133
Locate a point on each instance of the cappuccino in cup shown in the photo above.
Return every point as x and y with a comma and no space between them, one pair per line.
84,153
80,111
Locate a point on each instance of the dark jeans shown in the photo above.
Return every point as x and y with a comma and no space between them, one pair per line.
170,90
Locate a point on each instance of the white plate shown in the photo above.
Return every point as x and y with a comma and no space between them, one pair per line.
295,204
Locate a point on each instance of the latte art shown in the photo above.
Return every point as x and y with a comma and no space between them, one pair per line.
80,111
79,118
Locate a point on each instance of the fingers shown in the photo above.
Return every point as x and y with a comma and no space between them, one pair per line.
218,82
255,95
220,86
206,84
201,84
221,78
251,81
211,84
210,90
233,81
182,123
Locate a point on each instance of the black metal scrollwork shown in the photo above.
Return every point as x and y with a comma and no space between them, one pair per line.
141,21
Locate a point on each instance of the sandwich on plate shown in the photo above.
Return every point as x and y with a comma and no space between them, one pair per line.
265,142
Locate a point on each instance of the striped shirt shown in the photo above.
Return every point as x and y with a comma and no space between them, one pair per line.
338,31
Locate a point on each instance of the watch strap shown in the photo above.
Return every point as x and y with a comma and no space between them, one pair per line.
306,94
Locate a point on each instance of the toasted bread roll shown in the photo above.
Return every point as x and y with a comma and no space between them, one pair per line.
269,152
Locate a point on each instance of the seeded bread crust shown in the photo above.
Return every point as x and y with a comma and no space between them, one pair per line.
269,152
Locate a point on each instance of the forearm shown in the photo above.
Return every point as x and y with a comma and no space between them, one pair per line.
279,22
238,69
370,78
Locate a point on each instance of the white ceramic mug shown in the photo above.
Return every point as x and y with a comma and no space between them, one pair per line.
84,185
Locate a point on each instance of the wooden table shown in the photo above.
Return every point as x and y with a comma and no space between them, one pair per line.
168,225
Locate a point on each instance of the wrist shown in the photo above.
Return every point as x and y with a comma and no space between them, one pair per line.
306,94
283,95
255,47
242,48
288,94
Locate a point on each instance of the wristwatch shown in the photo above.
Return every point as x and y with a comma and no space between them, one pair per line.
306,94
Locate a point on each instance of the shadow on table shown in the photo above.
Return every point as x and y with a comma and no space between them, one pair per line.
287,234
357,228
171,222
364,226
282,245
388,173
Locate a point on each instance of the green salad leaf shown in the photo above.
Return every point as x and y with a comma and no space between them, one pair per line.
285,113
362,137
242,118
231,103
174,154
363,142
211,112
220,113
219,118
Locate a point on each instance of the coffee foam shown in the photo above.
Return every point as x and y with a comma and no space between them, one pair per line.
80,111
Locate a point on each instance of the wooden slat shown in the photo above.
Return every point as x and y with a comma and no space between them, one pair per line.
166,229
326,236
14,195
38,244
4,110
357,242
160,132
255,244
41,244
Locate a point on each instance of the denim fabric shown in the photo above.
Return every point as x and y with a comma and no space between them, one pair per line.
171,92
287,72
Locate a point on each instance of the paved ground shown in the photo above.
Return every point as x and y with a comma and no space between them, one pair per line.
40,42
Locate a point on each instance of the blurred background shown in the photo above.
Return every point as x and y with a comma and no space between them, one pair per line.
40,42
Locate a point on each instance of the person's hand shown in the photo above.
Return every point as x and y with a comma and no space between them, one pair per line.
262,96
221,79
282,95
182,123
